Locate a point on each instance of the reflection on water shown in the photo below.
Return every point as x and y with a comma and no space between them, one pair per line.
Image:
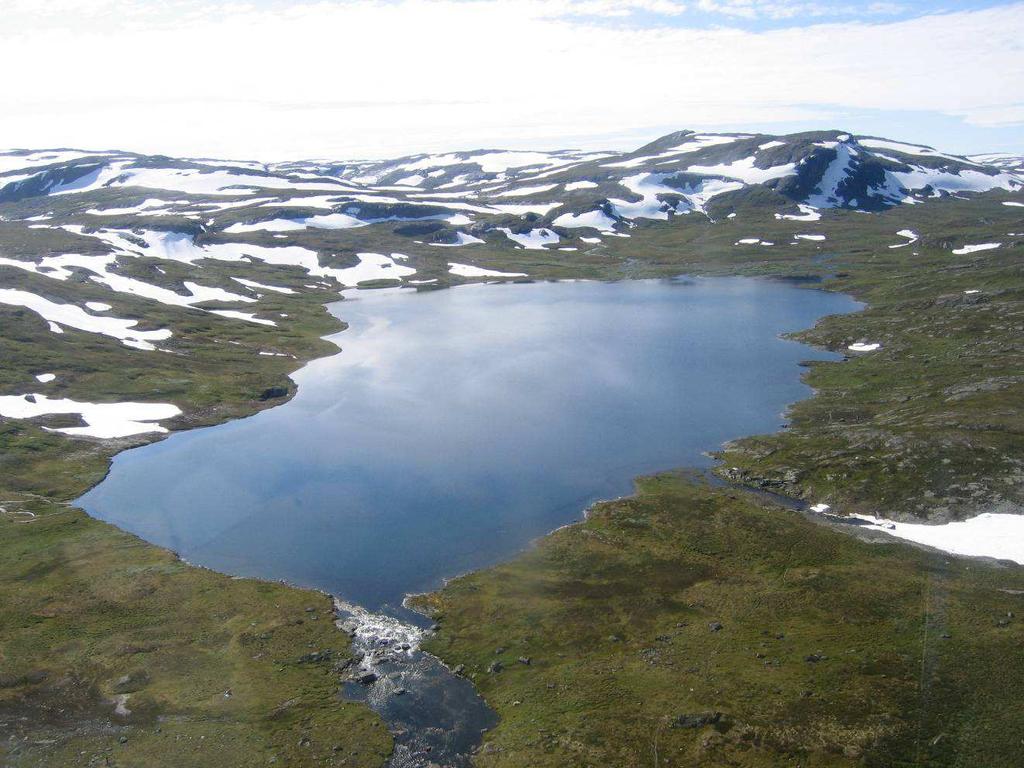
455,426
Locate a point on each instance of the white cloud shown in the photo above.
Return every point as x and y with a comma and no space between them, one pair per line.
795,9
364,78
1002,114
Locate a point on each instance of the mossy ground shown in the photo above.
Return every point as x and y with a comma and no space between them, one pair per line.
213,666
831,651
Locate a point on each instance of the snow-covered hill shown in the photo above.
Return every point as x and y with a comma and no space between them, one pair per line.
80,217
676,174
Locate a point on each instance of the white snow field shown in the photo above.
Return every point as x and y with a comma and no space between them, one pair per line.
988,535
534,240
468,270
103,420
592,219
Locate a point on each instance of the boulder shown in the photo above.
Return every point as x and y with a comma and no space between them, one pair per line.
272,393
698,720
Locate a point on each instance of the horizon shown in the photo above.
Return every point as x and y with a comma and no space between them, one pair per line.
463,149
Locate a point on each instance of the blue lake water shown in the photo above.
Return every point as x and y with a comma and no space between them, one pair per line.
455,426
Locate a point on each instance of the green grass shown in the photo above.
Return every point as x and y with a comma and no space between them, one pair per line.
615,613
214,664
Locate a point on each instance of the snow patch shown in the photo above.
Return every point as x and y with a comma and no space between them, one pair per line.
75,317
262,286
104,420
249,317
988,535
593,219
745,171
911,236
534,240
461,238
468,270
974,248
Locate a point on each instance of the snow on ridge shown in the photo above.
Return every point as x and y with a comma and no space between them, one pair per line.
497,161
697,143
966,180
838,171
104,420
186,180
917,150
16,161
95,179
745,171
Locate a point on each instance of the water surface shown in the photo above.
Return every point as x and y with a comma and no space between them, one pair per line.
457,425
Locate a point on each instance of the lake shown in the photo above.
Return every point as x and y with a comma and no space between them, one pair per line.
457,425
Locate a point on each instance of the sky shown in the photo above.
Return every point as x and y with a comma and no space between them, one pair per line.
362,79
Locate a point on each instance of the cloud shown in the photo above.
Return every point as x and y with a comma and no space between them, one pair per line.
365,78
795,9
993,116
